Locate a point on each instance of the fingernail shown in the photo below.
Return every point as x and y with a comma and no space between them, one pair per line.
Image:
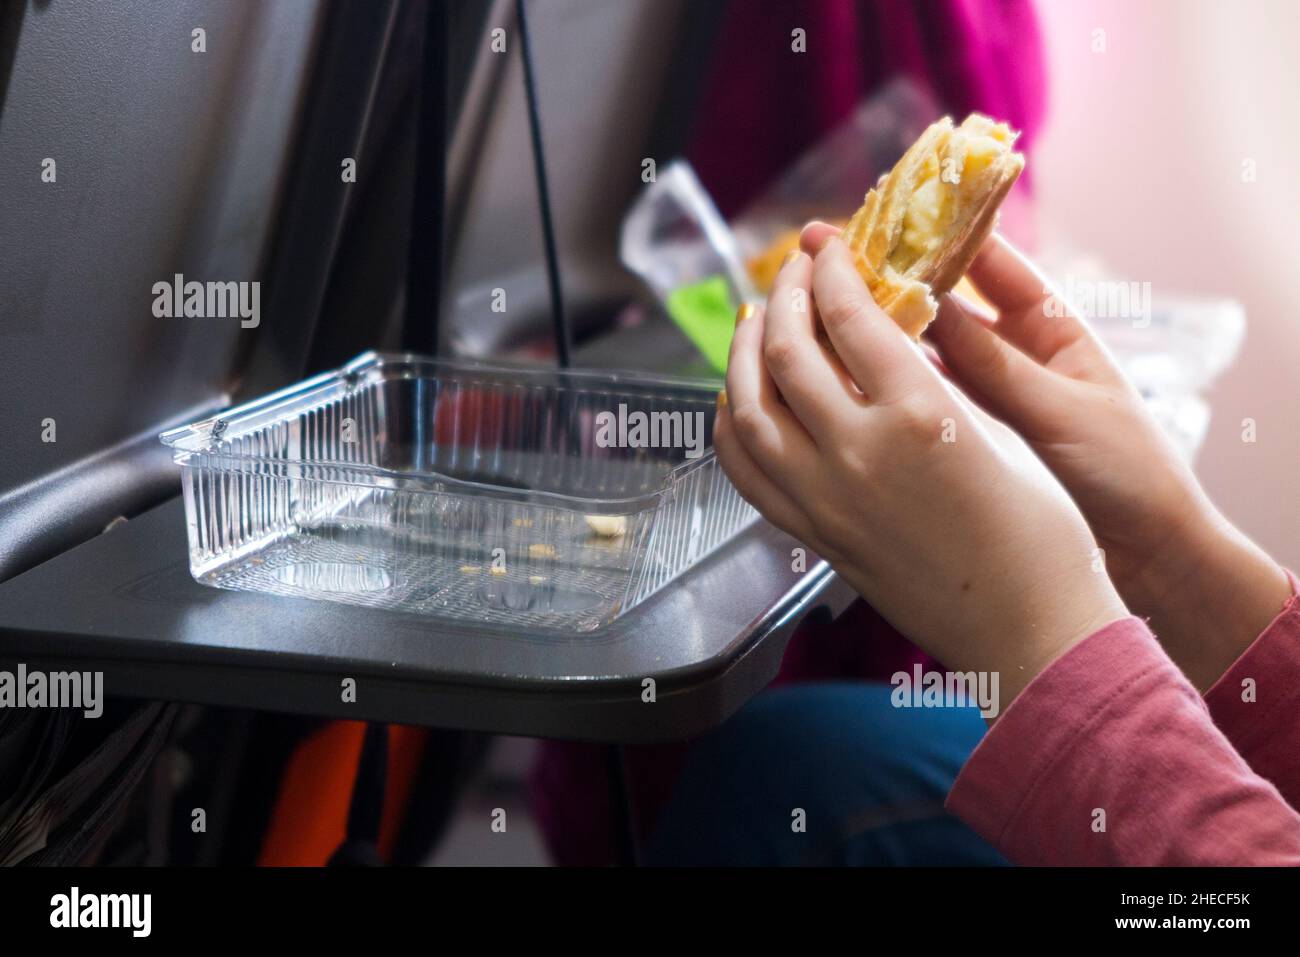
790,257
827,241
744,312
722,399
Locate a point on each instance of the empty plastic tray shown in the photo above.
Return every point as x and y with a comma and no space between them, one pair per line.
514,497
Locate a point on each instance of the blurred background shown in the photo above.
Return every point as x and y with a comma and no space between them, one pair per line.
1141,159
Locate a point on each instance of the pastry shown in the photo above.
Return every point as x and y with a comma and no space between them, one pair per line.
764,267
919,228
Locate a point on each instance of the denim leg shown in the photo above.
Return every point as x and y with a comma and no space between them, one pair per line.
870,779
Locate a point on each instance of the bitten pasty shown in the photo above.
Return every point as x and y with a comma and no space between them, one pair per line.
919,228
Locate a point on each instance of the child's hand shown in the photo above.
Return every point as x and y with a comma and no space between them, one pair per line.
941,517
1207,589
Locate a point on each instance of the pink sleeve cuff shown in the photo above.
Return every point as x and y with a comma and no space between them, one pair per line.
1272,665
1110,757
1256,702
1107,669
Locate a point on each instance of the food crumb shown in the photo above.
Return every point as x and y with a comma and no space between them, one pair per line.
607,526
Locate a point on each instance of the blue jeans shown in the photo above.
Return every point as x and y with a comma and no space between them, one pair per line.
869,778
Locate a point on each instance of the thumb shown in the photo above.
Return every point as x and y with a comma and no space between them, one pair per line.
816,235
996,374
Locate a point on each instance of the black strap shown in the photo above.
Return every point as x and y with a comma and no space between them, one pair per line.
366,811
426,255
560,321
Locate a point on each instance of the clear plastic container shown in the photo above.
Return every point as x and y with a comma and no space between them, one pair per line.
497,496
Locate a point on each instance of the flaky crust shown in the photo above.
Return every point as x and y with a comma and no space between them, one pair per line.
876,229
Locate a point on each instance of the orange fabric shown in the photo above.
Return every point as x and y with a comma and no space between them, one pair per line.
310,817
405,749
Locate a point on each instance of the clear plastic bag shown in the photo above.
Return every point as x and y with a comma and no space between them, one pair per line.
673,236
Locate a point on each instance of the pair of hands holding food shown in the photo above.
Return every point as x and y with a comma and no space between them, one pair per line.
995,504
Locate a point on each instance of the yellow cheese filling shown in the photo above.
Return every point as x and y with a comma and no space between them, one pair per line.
930,208
923,224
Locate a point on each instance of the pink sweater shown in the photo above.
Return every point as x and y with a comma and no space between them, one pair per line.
1110,756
